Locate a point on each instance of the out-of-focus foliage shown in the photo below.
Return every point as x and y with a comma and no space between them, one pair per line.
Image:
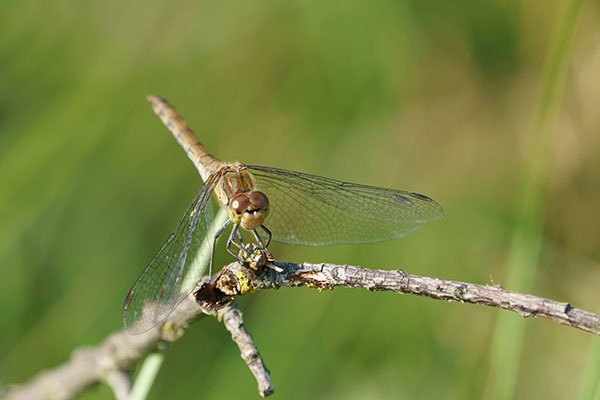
435,97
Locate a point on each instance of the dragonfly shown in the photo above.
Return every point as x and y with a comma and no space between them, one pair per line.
272,204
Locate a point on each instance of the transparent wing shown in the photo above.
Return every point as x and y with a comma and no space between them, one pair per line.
312,210
174,271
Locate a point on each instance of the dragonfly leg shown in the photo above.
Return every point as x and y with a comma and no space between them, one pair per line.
259,241
231,241
268,233
212,253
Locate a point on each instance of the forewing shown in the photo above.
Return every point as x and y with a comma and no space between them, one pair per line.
176,268
312,210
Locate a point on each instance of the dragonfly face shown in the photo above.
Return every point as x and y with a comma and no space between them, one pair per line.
249,210
235,190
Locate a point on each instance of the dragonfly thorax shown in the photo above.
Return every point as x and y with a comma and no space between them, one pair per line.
249,210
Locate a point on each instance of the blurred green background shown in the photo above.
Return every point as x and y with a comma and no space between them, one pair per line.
429,96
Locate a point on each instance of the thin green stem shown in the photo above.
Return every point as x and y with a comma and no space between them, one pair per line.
147,375
526,242
152,363
590,385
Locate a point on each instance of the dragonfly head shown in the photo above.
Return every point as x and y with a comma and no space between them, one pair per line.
249,209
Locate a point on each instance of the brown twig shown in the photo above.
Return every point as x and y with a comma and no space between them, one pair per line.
331,275
111,361
232,319
107,361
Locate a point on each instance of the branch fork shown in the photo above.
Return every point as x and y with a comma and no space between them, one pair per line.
111,360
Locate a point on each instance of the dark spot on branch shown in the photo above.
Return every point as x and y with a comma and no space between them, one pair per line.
211,298
568,308
460,292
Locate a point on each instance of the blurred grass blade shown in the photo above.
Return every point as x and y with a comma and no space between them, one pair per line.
153,361
147,374
590,386
524,251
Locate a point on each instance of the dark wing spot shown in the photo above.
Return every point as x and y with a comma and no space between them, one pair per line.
420,196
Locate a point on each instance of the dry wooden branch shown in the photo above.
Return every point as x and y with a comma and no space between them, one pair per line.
107,361
331,275
112,360
232,318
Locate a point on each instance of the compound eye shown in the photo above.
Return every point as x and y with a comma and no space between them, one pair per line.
259,200
239,203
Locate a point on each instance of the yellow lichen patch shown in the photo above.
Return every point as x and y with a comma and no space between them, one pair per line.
244,283
318,287
171,332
